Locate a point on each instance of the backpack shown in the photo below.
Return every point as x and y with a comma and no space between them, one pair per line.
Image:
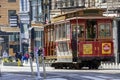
27,55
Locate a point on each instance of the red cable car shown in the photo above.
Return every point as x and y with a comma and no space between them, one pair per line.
82,38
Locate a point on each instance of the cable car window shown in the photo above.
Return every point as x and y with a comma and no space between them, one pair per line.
80,31
104,30
108,30
63,30
68,30
91,29
65,46
59,26
74,33
51,34
48,34
57,32
60,47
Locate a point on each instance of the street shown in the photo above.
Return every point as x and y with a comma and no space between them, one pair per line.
24,73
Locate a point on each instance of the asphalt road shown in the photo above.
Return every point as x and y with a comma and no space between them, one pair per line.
61,74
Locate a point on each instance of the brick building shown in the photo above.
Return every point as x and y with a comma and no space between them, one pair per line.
9,31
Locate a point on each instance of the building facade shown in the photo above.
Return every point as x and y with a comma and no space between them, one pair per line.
37,21
8,8
9,25
24,17
31,20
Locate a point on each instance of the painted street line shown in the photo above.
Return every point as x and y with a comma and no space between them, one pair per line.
93,78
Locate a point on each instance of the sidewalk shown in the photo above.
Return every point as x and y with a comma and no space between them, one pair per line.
24,77
8,75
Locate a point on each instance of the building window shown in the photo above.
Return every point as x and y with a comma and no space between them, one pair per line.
22,5
71,3
14,37
103,1
55,7
11,12
36,7
11,0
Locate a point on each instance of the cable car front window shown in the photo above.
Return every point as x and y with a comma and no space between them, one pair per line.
91,29
64,31
108,30
104,30
74,34
80,31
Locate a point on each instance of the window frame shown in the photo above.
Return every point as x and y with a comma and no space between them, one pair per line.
11,0
76,33
105,28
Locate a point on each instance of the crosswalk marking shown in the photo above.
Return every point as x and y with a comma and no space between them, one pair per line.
93,78
106,77
56,79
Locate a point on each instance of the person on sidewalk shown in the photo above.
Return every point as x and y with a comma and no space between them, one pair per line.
16,56
40,51
26,57
20,56
32,55
5,56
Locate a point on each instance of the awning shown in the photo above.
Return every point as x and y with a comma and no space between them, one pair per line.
10,29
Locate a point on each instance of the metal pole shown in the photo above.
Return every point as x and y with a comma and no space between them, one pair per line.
38,72
0,73
0,67
20,38
31,66
43,63
77,34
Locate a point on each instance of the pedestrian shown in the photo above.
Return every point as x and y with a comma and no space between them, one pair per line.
40,51
20,56
16,56
26,57
5,56
32,55
102,33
